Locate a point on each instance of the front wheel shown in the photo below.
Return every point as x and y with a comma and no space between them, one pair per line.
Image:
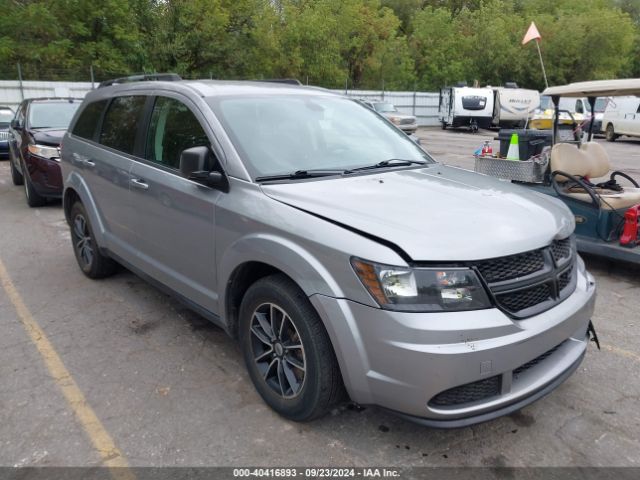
611,135
90,260
287,350
34,199
16,176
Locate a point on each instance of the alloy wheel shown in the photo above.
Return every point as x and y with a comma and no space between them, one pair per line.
277,350
82,240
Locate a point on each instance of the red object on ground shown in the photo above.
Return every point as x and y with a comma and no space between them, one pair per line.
629,237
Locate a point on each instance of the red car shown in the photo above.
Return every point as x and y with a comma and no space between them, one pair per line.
34,141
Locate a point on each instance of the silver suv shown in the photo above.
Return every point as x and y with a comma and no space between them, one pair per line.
335,249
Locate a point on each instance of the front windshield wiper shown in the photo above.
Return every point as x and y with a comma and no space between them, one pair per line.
392,162
299,174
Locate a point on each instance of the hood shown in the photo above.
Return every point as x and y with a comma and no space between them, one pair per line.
435,213
48,136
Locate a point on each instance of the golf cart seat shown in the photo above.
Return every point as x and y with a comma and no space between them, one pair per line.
572,168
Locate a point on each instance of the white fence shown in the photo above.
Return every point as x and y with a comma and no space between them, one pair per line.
423,105
12,92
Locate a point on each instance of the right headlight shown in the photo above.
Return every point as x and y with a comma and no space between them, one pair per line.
432,289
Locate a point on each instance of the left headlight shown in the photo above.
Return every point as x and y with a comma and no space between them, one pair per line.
395,120
430,289
44,151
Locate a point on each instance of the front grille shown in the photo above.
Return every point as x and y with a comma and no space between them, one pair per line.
513,266
529,283
470,392
536,361
406,121
526,298
4,135
561,250
564,279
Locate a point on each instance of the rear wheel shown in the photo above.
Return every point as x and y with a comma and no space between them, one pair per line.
34,199
611,135
287,350
92,263
443,124
16,176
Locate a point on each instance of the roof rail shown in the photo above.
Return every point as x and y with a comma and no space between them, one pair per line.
165,77
289,81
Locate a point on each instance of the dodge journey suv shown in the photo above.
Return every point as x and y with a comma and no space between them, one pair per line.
339,254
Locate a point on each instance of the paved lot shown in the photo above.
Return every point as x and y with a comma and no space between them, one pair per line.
168,388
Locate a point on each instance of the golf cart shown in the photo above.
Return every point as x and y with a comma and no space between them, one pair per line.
579,173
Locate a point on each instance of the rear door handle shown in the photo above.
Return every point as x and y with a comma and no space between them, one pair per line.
138,183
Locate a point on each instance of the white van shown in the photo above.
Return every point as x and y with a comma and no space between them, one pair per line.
621,117
514,106
466,107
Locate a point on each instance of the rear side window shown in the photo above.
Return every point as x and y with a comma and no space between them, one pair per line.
87,123
173,128
121,121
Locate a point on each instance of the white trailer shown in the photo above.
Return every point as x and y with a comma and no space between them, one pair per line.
513,107
466,107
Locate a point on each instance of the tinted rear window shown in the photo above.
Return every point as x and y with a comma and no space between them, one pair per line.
87,123
121,121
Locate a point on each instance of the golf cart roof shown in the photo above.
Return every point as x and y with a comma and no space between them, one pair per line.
597,88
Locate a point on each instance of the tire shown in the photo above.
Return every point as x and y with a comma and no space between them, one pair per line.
297,394
16,176
33,198
443,125
92,263
610,134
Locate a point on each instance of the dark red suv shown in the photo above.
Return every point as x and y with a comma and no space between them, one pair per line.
34,141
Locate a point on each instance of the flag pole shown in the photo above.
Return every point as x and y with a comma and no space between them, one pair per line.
542,63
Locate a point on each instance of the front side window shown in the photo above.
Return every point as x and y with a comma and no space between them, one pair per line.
173,128
52,114
277,134
87,123
121,121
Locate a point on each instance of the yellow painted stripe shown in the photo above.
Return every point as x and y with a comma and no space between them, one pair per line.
110,454
622,352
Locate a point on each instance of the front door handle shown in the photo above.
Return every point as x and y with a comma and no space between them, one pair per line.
139,183
89,163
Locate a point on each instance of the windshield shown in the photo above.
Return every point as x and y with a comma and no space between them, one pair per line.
6,116
52,114
279,134
601,104
385,107
545,102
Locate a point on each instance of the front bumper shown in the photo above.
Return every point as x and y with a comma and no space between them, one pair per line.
45,175
403,361
408,128
4,148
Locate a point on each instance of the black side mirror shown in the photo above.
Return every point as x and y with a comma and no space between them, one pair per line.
193,159
16,125
194,165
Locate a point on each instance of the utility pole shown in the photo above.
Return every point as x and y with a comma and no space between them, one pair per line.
20,82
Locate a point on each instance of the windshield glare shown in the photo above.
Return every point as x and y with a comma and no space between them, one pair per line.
52,114
6,116
280,134
385,107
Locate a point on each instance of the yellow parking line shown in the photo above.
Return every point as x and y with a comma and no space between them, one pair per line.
110,454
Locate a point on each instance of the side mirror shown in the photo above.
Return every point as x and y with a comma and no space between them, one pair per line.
193,159
194,164
16,125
